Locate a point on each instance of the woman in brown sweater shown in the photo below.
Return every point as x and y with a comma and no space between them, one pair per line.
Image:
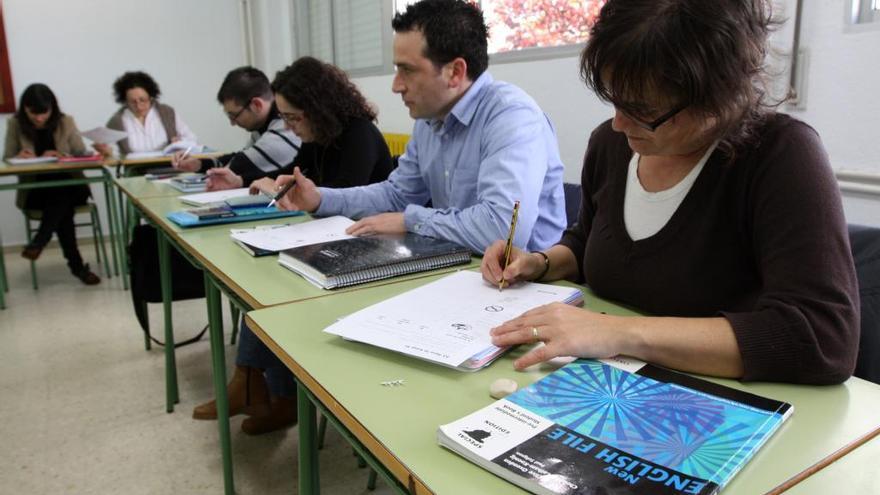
700,206
39,128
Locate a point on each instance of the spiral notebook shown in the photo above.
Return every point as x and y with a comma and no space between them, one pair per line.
345,262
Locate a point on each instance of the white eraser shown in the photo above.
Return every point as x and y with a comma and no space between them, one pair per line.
502,387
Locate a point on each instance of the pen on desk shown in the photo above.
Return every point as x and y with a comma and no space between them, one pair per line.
282,192
509,245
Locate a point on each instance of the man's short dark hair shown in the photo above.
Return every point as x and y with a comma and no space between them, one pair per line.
243,84
452,29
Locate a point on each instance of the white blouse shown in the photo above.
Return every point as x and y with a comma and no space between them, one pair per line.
645,213
151,136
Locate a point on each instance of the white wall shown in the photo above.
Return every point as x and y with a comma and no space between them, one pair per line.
79,47
842,97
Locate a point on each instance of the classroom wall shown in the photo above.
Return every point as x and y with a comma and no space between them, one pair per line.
79,47
842,100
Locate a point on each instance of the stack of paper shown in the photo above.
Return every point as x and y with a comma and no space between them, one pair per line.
448,321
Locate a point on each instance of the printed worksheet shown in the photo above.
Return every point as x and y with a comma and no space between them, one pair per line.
301,234
447,321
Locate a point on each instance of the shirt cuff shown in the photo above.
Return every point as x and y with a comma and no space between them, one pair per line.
332,202
415,218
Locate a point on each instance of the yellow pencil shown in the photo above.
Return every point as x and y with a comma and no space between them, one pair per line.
509,246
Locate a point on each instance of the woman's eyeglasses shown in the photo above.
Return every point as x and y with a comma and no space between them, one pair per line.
654,124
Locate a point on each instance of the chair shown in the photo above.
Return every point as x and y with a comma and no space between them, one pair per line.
865,244
572,202
396,142
94,222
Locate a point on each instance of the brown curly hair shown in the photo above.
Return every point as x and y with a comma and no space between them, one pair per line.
325,95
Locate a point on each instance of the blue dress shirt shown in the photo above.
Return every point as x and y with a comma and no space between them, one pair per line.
495,147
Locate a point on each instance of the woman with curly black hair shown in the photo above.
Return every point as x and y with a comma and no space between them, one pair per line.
150,125
341,145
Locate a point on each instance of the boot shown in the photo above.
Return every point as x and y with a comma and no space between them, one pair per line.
247,393
283,414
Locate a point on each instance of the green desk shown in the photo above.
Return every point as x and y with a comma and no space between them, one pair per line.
7,170
247,281
396,426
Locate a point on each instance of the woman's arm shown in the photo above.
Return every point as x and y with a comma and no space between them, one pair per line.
698,345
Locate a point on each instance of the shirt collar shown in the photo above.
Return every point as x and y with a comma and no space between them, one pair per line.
466,107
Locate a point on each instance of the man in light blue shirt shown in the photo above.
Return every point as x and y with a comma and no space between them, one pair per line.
478,145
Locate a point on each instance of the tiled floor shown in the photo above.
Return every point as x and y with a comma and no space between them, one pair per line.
83,404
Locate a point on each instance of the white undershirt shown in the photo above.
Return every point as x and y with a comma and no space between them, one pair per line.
645,213
151,135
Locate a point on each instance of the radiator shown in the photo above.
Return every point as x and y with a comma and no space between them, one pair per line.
858,181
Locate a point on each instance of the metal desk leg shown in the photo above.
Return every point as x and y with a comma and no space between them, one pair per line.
119,240
109,204
165,282
218,361
4,284
309,482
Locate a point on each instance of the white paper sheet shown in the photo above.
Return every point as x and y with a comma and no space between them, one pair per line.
446,321
104,135
202,199
301,234
29,161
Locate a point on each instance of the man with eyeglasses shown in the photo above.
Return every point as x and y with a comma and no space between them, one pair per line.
248,102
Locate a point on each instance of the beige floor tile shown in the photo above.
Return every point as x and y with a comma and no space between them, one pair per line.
83,404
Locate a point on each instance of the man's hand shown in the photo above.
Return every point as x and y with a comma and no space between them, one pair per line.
188,164
304,196
383,223
26,153
222,178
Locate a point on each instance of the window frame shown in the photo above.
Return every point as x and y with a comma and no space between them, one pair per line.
303,42
862,12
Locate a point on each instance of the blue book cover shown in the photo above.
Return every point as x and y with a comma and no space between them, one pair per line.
198,217
617,426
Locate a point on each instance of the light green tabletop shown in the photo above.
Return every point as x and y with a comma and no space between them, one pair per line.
399,424
855,473
141,188
259,282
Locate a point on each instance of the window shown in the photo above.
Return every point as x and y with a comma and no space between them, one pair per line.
352,34
863,11
529,29
356,34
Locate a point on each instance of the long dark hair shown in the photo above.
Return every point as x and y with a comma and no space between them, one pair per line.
325,94
706,54
37,98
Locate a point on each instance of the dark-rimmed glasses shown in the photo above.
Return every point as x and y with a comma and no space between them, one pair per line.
654,124
233,117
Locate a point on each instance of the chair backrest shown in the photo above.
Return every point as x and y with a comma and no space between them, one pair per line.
396,142
572,202
865,243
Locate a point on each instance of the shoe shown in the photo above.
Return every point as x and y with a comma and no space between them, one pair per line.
247,393
86,275
31,252
283,414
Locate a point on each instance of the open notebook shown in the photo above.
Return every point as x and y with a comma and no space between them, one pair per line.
447,321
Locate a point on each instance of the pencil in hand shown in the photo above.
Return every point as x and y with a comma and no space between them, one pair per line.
509,246
282,192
